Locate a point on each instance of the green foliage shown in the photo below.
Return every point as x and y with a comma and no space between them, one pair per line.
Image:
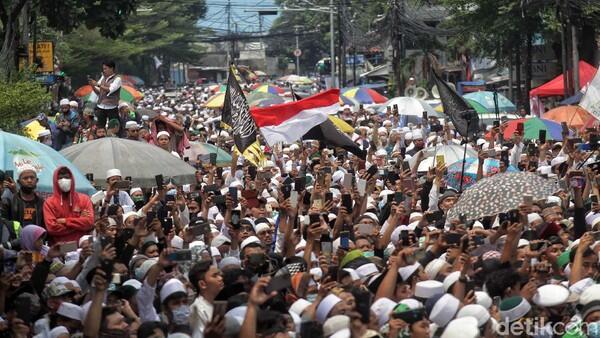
20,100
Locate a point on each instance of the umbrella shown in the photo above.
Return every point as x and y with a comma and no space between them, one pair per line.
486,99
217,88
260,73
501,193
17,151
134,80
215,101
198,148
574,116
491,166
341,124
32,129
267,102
140,160
267,88
363,95
295,79
256,96
452,153
532,127
127,93
410,106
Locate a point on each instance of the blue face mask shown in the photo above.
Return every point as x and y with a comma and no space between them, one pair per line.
369,253
593,330
311,297
181,314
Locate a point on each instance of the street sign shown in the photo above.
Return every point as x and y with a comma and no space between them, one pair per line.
44,52
297,52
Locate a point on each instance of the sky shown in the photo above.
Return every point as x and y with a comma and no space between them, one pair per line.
243,12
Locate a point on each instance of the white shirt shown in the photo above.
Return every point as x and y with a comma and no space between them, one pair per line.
145,298
116,84
202,312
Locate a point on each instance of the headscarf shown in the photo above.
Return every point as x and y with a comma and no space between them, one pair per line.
29,235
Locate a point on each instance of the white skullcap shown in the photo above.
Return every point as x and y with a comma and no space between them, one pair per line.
299,306
533,217
134,190
163,133
131,125
465,327
325,307
73,104
172,286
64,102
113,172
71,311
123,104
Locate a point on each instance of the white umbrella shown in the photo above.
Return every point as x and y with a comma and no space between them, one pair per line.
452,153
411,106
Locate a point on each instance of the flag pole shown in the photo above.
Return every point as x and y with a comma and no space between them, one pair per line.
467,116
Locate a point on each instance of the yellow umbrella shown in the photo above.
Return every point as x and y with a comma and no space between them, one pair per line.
33,129
341,124
439,108
216,101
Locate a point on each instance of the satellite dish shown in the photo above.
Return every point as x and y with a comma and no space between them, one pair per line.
421,93
435,92
410,91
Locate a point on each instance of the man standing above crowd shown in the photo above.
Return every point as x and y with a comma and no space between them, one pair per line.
67,122
68,214
26,206
108,90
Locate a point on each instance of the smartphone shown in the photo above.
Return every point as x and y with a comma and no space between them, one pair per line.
159,181
167,225
528,200
440,161
150,216
434,216
496,124
424,117
398,197
314,218
23,307
405,165
105,241
233,193
347,182
235,218
347,202
10,173
536,246
300,183
596,235
361,186
213,158
326,248
453,238
68,247
89,177
542,136
365,229
107,266
465,244
219,199
565,127
180,255
252,172
404,238
328,197
201,229
478,240
286,190
372,170
279,283
345,239
294,198
594,199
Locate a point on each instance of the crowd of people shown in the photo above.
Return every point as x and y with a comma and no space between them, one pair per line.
313,242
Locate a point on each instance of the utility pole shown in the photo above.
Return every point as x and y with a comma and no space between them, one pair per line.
396,37
230,57
575,59
297,48
332,43
341,31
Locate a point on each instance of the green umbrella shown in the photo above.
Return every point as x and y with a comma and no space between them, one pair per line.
255,96
203,150
477,106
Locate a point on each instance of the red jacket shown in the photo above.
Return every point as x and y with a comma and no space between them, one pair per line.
71,207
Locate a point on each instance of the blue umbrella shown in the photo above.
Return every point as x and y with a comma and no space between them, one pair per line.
486,99
18,151
491,166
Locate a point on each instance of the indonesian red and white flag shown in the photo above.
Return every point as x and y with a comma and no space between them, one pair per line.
288,122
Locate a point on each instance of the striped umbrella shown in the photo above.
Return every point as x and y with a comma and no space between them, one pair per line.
574,116
199,149
134,80
127,94
532,127
215,101
474,104
486,100
363,95
267,88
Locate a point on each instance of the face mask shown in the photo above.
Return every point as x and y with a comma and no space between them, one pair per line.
292,334
28,190
311,297
369,253
593,330
136,199
64,184
181,314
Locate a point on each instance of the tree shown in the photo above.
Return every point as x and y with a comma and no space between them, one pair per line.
109,16
21,99
160,28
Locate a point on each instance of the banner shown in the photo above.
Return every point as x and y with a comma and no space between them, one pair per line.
591,98
236,113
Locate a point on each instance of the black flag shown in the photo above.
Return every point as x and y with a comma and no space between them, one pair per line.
463,116
327,133
295,96
236,113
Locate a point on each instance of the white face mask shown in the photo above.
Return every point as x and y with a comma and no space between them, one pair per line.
64,184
